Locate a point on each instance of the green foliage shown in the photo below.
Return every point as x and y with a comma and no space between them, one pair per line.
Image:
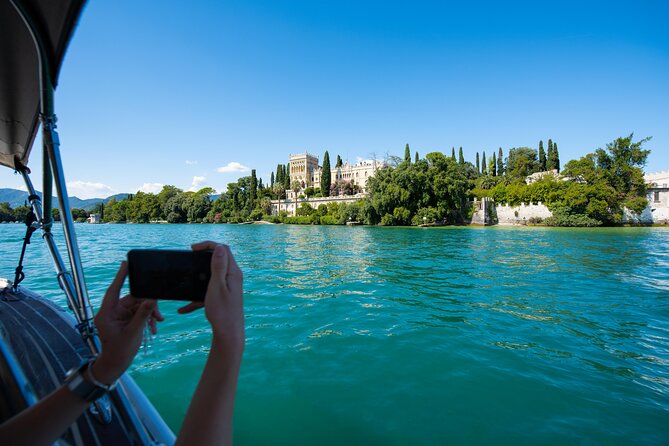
500,163
461,157
522,162
542,157
562,216
326,176
407,154
425,215
397,194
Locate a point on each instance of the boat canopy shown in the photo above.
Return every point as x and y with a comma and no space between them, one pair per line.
52,24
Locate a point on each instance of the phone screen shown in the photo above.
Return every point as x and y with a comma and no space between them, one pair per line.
169,274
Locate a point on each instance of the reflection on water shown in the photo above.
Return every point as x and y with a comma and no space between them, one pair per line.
410,335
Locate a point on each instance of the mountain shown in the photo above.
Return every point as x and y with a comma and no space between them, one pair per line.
17,198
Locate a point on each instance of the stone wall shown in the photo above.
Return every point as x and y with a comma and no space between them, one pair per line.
520,215
293,202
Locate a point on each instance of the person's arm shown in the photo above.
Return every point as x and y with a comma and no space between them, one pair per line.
120,323
209,416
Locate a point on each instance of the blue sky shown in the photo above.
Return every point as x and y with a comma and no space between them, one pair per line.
189,93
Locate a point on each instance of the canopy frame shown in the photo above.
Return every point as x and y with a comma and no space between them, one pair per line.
147,429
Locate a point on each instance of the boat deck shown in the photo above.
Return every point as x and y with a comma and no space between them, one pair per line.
46,344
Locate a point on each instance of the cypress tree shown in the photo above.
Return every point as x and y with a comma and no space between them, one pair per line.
407,154
500,163
279,173
286,176
484,168
493,165
339,162
326,175
453,153
556,156
254,189
271,180
550,156
542,157
416,157
461,157
478,164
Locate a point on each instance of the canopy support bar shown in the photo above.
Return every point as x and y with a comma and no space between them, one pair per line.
73,284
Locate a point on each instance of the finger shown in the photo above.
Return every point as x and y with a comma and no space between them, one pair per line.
203,246
190,307
157,315
220,260
142,314
153,328
114,291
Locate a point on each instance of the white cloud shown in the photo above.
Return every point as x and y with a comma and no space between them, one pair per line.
86,189
151,188
233,166
191,163
198,182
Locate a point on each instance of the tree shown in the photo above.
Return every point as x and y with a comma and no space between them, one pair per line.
478,164
339,162
271,180
500,163
522,161
453,153
461,157
326,175
279,174
493,165
417,158
551,162
286,176
407,153
484,168
556,156
253,190
542,156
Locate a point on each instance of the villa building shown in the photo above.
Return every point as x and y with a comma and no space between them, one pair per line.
305,170
658,196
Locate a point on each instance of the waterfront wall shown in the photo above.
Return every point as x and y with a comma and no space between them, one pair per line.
291,204
520,215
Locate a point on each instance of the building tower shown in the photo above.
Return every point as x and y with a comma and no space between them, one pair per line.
302,168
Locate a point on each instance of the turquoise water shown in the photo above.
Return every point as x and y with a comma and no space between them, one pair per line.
370,335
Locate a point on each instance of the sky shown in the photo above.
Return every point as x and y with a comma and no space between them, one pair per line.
196,94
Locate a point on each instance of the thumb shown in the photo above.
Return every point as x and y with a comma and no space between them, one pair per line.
219,263
141,315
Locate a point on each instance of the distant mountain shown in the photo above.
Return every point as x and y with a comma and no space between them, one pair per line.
17,198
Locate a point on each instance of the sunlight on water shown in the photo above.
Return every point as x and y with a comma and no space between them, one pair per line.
360,335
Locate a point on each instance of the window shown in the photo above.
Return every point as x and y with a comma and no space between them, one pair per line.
656,196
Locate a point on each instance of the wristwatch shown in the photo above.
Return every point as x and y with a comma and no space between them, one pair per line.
82,383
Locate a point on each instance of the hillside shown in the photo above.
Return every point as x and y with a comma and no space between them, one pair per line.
17,198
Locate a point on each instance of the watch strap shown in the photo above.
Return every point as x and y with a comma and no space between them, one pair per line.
77,382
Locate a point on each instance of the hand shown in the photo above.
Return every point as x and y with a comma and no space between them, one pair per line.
120,324
223,303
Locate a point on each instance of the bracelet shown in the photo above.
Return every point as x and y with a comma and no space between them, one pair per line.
89,375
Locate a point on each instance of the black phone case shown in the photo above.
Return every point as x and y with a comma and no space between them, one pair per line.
169,274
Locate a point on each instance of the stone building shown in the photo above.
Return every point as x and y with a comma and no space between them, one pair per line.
305,170
302,168
658,196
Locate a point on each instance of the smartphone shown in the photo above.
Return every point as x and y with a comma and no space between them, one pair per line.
169,274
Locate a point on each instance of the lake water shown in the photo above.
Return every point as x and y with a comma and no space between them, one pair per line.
370,335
